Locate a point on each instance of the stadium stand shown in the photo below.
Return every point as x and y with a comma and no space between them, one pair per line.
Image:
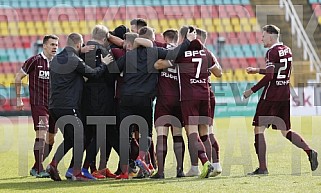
22,22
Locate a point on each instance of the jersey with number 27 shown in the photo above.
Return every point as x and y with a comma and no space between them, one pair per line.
278,57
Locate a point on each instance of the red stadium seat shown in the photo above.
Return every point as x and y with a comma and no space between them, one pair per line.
233,41
230,9
234,63
251,62
317,9
242,63
252,39
224,62
260,62
222,12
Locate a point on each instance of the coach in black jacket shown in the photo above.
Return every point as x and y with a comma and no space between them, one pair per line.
98,100
66,86
139,90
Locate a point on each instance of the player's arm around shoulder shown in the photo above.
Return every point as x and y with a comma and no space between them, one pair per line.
89,72
162,64
87,48
142,42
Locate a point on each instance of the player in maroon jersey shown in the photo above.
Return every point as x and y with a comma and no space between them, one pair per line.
209,140
274,105
168,112
37,68
194,95
136,85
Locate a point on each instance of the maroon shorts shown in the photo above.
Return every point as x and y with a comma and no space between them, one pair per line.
42,120
275,113
168,111
196,112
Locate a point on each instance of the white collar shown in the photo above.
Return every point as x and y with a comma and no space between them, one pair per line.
277,44
44,56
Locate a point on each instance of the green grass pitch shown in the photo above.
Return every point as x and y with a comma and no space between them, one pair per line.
288,166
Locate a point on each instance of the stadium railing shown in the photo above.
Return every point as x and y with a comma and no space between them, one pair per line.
302,37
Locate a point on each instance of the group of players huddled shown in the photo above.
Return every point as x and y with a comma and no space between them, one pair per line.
121,73
101,96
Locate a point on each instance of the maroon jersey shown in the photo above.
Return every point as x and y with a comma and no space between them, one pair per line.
193,72
168,80
277,74
118,53
160,44
37,67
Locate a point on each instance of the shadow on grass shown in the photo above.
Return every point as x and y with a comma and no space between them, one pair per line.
49,184
15,178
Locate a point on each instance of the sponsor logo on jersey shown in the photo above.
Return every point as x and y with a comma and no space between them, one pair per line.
168,75
43,74
42,124
198,81
172,70
284,52
282,82
194,53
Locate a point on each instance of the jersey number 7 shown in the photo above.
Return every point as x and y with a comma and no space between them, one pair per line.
199,66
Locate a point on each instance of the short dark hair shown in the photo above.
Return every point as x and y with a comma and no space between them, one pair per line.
73,39
271,29
201,32
172,34
146,32
184,30
120,31
139,22
47,37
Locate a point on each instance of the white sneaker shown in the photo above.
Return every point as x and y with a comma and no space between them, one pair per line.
194,171
217,169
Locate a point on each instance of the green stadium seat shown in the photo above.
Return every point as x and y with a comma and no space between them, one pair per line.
190,2
217,2
4,58
245,2
236,2
228,2
15,4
